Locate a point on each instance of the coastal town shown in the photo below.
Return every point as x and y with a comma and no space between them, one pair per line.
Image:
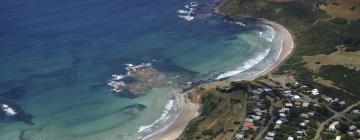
277,110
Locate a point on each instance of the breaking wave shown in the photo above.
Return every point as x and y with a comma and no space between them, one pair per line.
169,114
117,82
247,65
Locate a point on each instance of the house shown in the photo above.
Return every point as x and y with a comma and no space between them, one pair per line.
255,92
277,126
338,138
284,119
245,129
332,126
296,97
267,89
356,111
279,122
305,104
314,92
288,104
290,138
303,124
258,113
282,115
248,120
256,118
303,115
328,99
297,104
249,124
287,91
300,132
271,134
352,128
312,113
342,103
260,89
239,136
269,138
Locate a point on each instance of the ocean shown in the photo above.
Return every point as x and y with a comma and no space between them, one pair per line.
57,59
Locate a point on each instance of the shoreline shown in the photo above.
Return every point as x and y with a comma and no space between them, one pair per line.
189,111
287,48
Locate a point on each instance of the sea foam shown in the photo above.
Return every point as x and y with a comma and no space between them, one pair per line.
269,35
247,65
164,116
117,82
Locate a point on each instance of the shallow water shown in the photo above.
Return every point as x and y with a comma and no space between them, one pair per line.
64,52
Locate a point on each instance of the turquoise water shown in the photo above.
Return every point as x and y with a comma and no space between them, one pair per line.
63,53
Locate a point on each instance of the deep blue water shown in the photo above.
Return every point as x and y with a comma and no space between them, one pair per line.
63,53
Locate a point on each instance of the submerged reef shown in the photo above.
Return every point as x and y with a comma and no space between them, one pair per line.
138,79
11,112
133,109
14,93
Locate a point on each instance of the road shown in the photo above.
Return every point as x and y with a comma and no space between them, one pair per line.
335,116
264,130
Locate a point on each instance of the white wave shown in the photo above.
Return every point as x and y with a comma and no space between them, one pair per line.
239,23
183,12
164,116
280,50
118,77
116,81
187,6
8,110
269,35
247,65
187,17
129,65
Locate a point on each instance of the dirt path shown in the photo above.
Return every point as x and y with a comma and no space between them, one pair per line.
226,112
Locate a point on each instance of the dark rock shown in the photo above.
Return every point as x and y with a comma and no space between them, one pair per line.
140,107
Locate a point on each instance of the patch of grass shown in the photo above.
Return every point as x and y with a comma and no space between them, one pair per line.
338,21
342,77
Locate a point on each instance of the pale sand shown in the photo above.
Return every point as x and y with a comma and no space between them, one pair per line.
190,110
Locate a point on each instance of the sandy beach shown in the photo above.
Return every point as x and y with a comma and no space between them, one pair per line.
190,110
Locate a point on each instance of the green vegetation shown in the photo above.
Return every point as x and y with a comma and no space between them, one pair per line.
338,21
343,77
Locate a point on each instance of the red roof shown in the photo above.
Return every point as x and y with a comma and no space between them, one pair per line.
249,124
